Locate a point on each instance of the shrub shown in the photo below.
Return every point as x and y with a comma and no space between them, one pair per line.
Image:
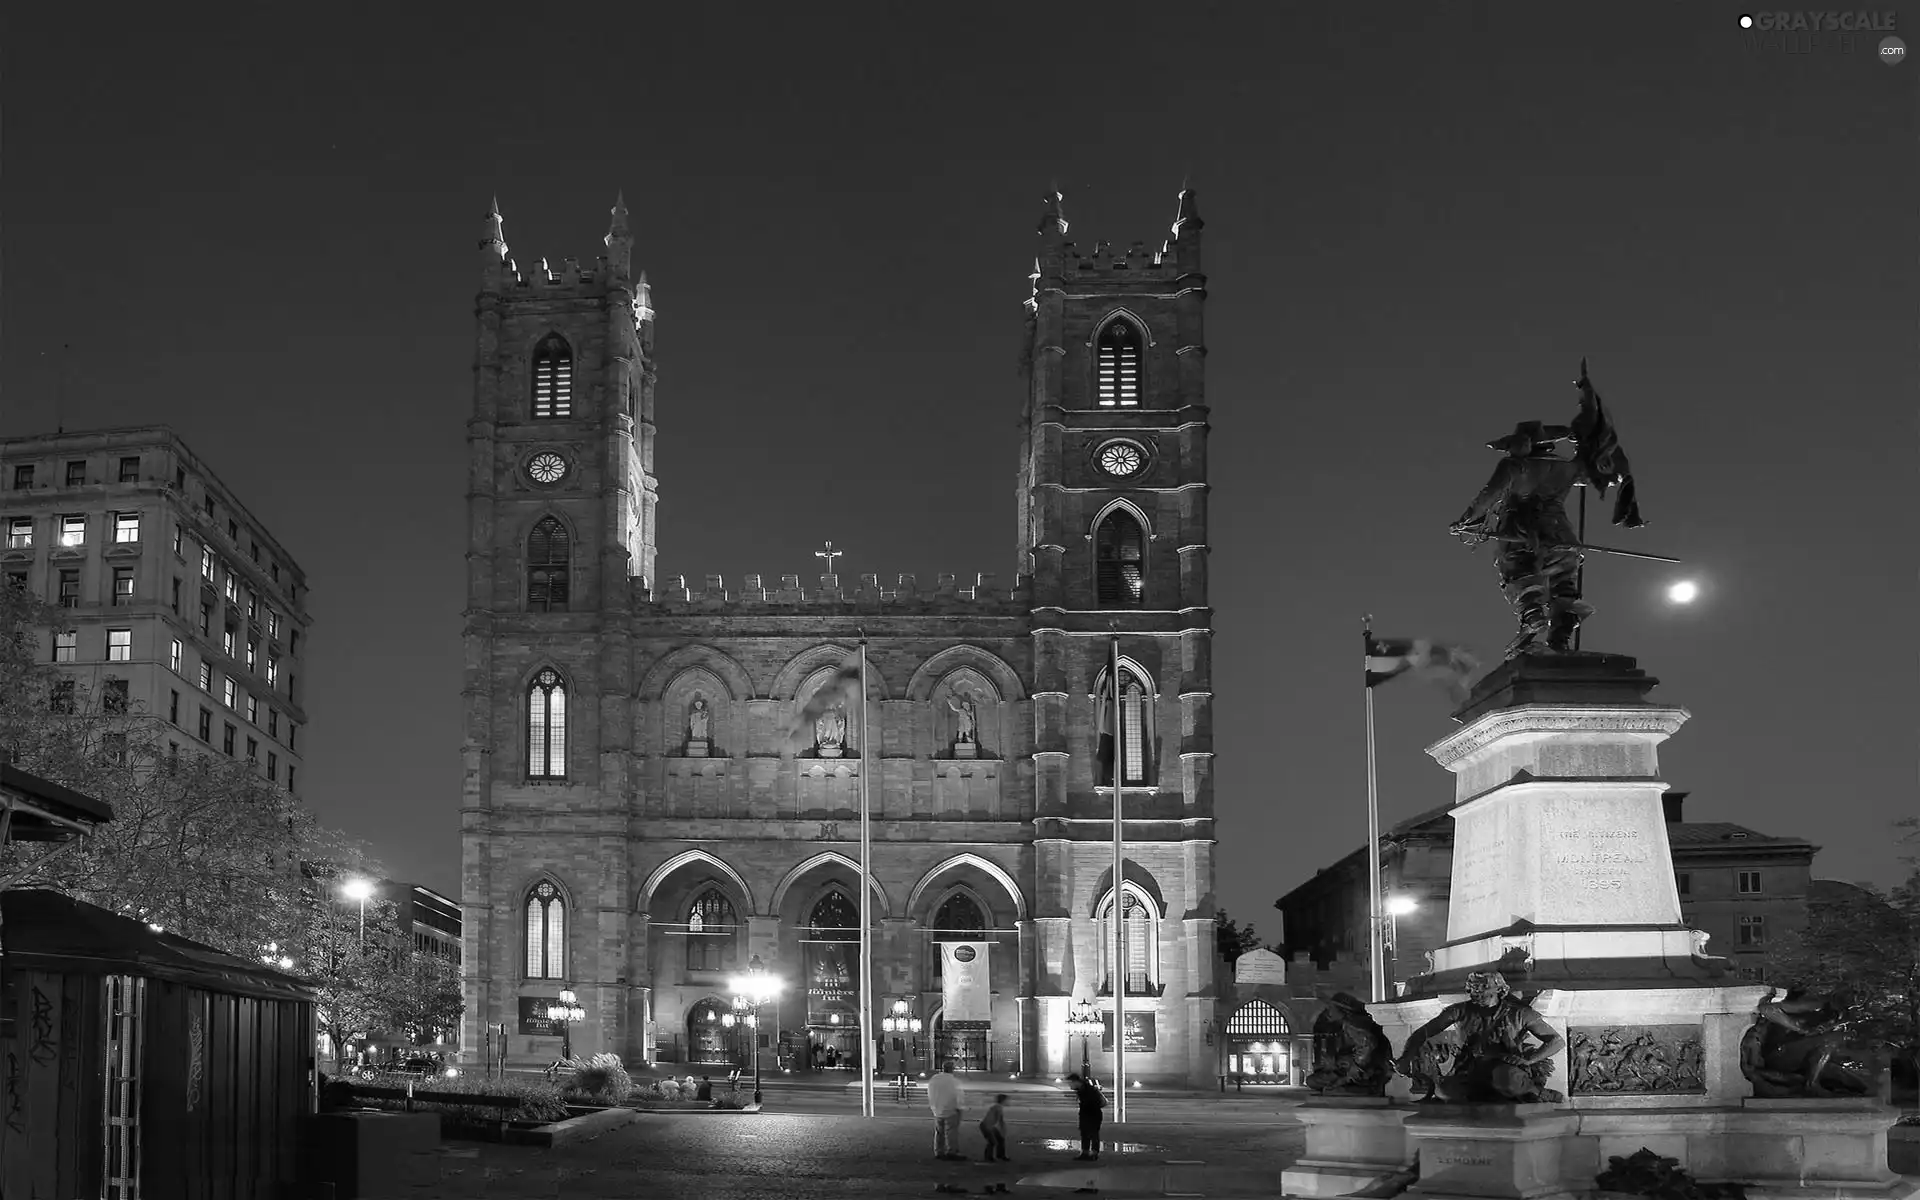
602,1079
540,1101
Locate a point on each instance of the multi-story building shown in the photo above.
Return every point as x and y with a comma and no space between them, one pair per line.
175,600
643,815
1742,888
430,919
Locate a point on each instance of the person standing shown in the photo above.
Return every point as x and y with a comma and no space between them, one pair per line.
1091,1105
993,1127
943,1096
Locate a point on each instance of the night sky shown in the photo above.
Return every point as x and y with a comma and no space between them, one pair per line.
1419,218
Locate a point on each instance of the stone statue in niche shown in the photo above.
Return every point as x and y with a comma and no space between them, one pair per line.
830,732
1351,1055
1796,1048
1495,1064
699,728
966,741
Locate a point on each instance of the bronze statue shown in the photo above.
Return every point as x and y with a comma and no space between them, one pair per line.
1791,1048
1523,509
1495,1065
1351,1054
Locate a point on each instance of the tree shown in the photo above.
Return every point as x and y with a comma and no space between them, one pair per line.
1233,938
1865,943
423,1002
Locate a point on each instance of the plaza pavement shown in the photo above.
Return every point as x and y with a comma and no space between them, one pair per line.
1228,1147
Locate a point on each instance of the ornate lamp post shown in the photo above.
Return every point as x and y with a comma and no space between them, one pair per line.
900,1019
751,992
1086,1024
564,1014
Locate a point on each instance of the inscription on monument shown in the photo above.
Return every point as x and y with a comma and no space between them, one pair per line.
1466,1160
1598,857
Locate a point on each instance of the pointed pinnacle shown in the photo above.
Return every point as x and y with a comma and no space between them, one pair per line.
1189,213
493,210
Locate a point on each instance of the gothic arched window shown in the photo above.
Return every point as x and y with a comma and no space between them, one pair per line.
710,932
959,919
547,726
549,553
1119,561
1136,724
546,932
1141,943
834,919
1117,365
552,378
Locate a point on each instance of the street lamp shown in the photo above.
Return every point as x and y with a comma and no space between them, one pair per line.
1397,907
1084,1023
361,890
564,1014
900,1019
752,991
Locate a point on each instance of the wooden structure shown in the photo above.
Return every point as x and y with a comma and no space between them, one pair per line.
136,1065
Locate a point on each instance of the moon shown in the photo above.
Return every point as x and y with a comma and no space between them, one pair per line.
1683,592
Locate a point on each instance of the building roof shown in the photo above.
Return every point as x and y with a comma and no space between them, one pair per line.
44,811
1714,833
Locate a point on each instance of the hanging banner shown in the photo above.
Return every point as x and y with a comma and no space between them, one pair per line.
966,985
1142,1032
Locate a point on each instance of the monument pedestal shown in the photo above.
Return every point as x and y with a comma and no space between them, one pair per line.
698,747
965,750
1486,1150
1353,1142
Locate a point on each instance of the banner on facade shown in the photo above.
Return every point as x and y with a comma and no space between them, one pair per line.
533,1016
1141,1033
832,982
967,989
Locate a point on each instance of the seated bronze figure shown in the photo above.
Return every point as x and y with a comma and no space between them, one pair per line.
1495,1065
1351,1054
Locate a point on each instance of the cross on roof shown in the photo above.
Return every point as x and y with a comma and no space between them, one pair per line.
829,554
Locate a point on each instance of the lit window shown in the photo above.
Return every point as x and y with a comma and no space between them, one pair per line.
233,589
122,586
226,642
546,930
273,671
552,378
66,646
206,677
1749,883
710,932
273,624
119,645
1117,365
253,710
175,654
179,541
126,527
19,533
73,530
253,650
130,469
69,589
206,563
547,727
1140,938
548,550
1119,562
227,692
1753,931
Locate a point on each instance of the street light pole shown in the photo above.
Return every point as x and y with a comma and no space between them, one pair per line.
361,890
1084,1021
755,988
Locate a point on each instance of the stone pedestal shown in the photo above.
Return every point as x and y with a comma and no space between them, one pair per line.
1353,1142
831,751
697,747
1487,1150
965,750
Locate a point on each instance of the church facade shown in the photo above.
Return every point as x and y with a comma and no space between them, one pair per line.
642,822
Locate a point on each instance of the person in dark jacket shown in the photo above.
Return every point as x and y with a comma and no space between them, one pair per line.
1092,1102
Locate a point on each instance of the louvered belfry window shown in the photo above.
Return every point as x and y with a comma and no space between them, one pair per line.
1117,365
552,378
549,551
1119,553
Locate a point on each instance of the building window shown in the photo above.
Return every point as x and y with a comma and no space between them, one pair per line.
206,726
273,767
552,378
173,705
69,589
23,477
174,602
226,741
253,751
273,722
253,710
113,697
1117,365
1753,931
122,586
1140,939
547,726
179,542
206,563
17,579
293,644
546,930
20,533
126,527
1749,883
233,533
1684,882
226,691
273,624
73,530
1119,559
290,770
206,620
293,736
253,651
548,551
119,645
130,469
206,676
710,932
1136,710
76,474
253,548
66,646
273,671
226,641
253,606
60,697
233,588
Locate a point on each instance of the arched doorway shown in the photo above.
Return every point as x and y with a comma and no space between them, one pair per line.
709,1039
1259,1044
831,952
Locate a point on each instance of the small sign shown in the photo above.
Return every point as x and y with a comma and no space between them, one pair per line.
1141,1032
1260,966
533,1016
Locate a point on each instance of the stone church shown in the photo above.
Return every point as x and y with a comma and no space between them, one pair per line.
641,824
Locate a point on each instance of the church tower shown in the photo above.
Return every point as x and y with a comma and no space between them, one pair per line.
1113,527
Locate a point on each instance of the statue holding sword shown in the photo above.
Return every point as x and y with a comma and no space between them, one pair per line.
1523,510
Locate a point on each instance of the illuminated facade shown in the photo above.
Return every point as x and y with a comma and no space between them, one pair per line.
638,822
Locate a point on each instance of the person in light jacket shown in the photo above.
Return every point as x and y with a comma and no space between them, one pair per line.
943,1096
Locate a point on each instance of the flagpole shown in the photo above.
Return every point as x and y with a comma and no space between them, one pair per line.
1580,571
1119,897
867,1042
1375,943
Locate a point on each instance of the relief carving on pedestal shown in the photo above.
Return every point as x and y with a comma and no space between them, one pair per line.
1636,1060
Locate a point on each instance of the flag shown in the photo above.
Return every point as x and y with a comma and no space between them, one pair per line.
1604,462
1449,666
843,688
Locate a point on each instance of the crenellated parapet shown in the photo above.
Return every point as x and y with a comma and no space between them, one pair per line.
946,595
1133,265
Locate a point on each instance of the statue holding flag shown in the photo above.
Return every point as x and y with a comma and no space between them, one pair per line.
1523,510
